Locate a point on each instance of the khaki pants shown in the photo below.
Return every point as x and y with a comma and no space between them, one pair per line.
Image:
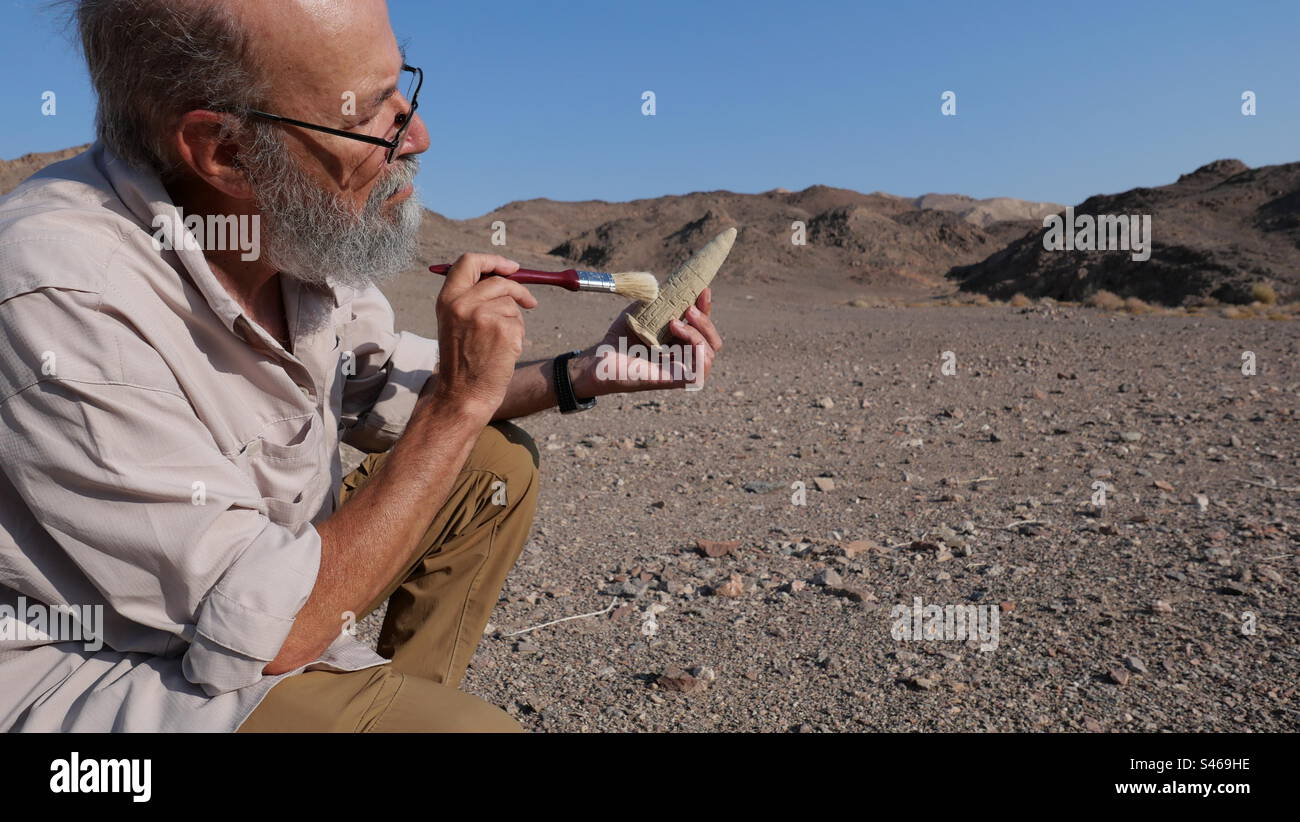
437,609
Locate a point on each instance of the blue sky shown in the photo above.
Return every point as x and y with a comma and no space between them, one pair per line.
1055,101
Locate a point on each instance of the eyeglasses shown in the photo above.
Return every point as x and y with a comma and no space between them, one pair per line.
403,120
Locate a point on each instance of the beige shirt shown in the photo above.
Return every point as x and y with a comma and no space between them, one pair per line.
164,458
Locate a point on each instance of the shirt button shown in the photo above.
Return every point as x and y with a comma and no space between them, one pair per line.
306,392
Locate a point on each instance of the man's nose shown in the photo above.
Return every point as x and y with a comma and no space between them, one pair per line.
416,139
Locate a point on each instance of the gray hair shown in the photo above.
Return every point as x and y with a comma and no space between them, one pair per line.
151,61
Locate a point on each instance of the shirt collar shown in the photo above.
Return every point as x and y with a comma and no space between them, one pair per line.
145,197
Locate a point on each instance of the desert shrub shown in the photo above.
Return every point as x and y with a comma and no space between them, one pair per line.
1264,293
1019,301
1104,300
1133,305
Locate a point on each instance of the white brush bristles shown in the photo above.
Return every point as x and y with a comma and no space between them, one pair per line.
638,285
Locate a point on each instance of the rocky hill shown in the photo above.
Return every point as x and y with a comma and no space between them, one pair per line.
1223,232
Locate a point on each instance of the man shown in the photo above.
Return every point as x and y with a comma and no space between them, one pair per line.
170,415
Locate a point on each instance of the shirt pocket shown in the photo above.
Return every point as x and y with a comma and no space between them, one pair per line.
285,462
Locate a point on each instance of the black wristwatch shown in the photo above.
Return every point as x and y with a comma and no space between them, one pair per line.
569,402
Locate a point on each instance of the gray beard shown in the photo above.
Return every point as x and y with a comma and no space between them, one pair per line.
316,238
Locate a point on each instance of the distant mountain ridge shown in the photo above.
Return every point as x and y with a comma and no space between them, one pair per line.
1218,233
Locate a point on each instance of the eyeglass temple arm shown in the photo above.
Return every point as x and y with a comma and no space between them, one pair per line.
365,138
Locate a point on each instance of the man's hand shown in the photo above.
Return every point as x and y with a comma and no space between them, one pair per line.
609,367
480,333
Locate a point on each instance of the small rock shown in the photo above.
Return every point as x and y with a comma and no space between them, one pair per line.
829,578
1131,436
1161,607
1119,676
733,587
825,402
1136,665
948,535
853,594
675,679
824,483
710,548
859,547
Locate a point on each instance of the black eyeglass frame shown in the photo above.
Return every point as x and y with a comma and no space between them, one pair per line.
392,145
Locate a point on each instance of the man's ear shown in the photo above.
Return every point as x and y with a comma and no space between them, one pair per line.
203,147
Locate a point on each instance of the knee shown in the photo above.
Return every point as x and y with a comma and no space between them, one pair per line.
521,443
513,456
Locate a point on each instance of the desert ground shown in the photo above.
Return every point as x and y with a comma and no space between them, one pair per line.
1169,608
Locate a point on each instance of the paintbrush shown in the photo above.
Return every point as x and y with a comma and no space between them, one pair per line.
637,285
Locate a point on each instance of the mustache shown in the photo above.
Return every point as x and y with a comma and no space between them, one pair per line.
403,173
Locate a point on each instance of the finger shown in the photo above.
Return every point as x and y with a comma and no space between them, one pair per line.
705,301
687,333
701,361
490,288
700,319
470,268
503,306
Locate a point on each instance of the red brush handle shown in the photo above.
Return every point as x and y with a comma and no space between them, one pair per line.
527,276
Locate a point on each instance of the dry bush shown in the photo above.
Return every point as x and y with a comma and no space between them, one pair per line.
1019,301
1263,293
1135,306
1104,300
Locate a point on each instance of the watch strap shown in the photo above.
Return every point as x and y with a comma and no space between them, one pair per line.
568,401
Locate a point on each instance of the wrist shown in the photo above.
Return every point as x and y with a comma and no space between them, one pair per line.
451,411
582,375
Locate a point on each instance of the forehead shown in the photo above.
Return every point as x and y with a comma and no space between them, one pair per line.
317,49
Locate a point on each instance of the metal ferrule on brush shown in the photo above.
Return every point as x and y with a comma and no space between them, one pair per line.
595,281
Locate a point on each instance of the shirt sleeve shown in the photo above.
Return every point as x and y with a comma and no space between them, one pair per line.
133,488
390,369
